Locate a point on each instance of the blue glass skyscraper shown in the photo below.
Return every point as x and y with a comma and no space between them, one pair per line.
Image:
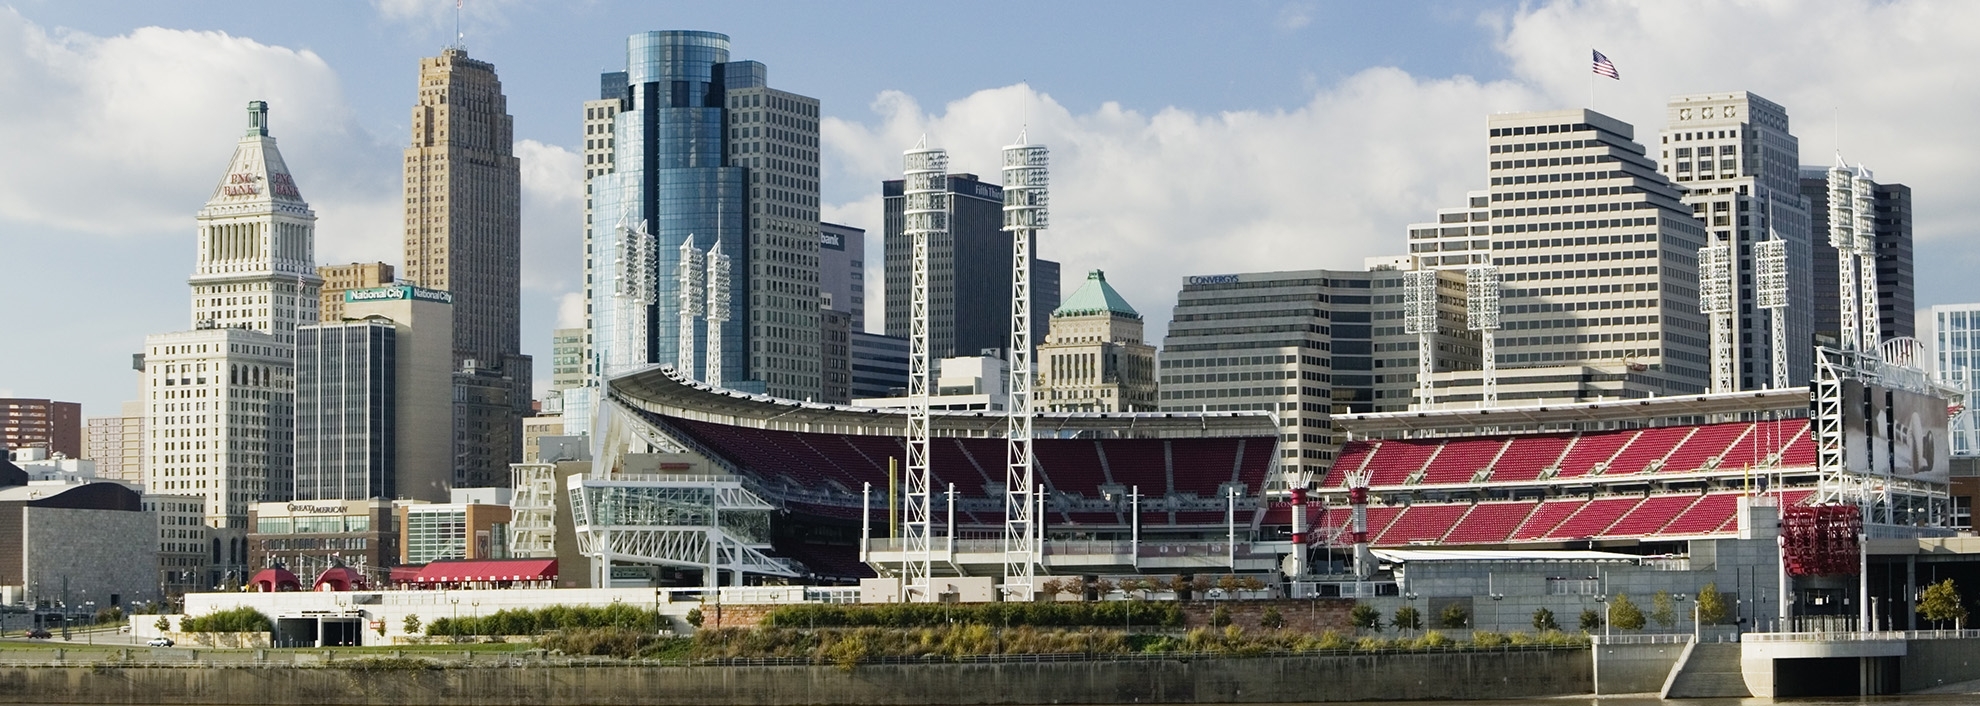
703,151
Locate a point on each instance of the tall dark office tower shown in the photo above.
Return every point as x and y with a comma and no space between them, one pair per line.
704,152
345,389
464,231
1896,300
969,273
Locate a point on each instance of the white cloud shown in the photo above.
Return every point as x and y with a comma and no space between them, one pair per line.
570,310
1295,15
552,216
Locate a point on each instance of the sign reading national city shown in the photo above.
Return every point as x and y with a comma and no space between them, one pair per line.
402,291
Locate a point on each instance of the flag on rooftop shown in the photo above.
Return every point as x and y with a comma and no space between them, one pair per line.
1605,67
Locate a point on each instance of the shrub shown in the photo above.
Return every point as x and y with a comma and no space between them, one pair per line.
1453,617
1434,640
112,614
517,621
1013,614
1220,617
1543,620
1371,644
694,617
1270,619
1331,640
242,619
1407,618
164,624
614,642
1487,639
1591,620
1366,617
412,624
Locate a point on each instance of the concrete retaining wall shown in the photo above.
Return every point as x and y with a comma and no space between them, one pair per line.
1634,669
1931,664
1454,675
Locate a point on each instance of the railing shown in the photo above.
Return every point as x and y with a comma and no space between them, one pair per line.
1665,639
1873,636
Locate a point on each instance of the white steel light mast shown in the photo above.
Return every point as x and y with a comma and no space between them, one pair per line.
1842,237
1481,288
1715,300
1866,259
1770,265
925,211
690,273
634,295
718,311
1025,198
1420,318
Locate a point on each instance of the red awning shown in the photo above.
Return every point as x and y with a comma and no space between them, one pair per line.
490,570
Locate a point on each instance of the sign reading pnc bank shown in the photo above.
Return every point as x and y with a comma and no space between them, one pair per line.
398,291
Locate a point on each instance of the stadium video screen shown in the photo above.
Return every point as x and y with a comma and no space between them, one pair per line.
1895,432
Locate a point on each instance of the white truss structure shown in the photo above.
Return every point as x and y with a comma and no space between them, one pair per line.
710,523
1844,238
718,312
925,191
533,510
633,296
1715,300
1865,227
692,275
1420,318
1481,289
1025,199
1771,274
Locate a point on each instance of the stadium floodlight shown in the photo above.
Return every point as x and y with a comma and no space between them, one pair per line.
925,210
718,311
1842,237
1770,264
1481,288
1025,198
1715,300
1420,318
692,274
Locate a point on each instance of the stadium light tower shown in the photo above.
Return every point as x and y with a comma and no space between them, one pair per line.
1715,301
1842,237
633,297
925,189
1866,258
1770,265
692,272
1420,318
1481,314
718,311
1025,198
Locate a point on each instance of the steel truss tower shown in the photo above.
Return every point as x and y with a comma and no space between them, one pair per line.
1715,300
925,189
1771,274
1420,318
718,311
1481,288
1025,198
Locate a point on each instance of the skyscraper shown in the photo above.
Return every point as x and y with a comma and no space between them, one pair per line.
842,271
463,229
1094,359
705,152
1735,161
53,426
347,410
338,279
969,272
218,399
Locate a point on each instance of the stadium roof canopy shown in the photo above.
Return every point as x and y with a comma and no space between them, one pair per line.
1585,415
660,390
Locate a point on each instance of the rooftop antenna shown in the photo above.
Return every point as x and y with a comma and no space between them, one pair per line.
460,38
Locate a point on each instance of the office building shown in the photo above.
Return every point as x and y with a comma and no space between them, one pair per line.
1094,359
1951,333
426,452
40,466
338,279
705,150
472,525
182,543
842,271
978,383
116,444
1734,159
486,432
566,359
969,272
1896,287
1460,238
346,410
879,364
71,545
46,424
1304,345
463,230
835,356
219,399
534,429
309,537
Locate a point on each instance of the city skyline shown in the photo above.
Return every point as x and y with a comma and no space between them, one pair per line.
1371,140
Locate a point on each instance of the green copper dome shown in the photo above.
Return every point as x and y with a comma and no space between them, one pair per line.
1095,297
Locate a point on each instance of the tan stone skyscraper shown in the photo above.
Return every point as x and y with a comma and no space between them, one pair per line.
464,235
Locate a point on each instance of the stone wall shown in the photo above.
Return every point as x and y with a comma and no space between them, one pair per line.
1309,615
1448,675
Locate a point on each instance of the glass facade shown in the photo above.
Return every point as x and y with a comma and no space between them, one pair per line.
434,534
345,402
1953,333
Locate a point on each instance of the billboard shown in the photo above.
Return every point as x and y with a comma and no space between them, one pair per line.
1895,433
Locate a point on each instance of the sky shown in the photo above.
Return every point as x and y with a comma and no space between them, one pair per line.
1186,138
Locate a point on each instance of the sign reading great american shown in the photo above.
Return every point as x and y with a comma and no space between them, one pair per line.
401,291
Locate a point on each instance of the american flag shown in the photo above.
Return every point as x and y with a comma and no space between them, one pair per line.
1605,67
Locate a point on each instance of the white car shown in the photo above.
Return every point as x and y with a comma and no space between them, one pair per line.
160,642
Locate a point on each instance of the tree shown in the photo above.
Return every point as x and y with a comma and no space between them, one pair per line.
1270,619
694,617
1591,620
164,624
1365,617
412,624
1663,609
1543,620
1102,587
1407,618
1453,617
1220,617
1941,602
1229,585
1053,588
1179,585
1199,585
1712,608
1624,614
1251,583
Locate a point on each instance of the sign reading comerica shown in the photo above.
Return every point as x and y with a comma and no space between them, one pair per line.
402,291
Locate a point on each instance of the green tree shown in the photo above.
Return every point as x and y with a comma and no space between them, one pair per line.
1270,619
1712,608
1543,620
1663,609
1407,618
694,616
1366,617
411,624
1591,620
1624,614
164,624
1941,602
1453,617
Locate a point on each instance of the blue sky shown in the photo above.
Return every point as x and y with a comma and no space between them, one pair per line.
1187,137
